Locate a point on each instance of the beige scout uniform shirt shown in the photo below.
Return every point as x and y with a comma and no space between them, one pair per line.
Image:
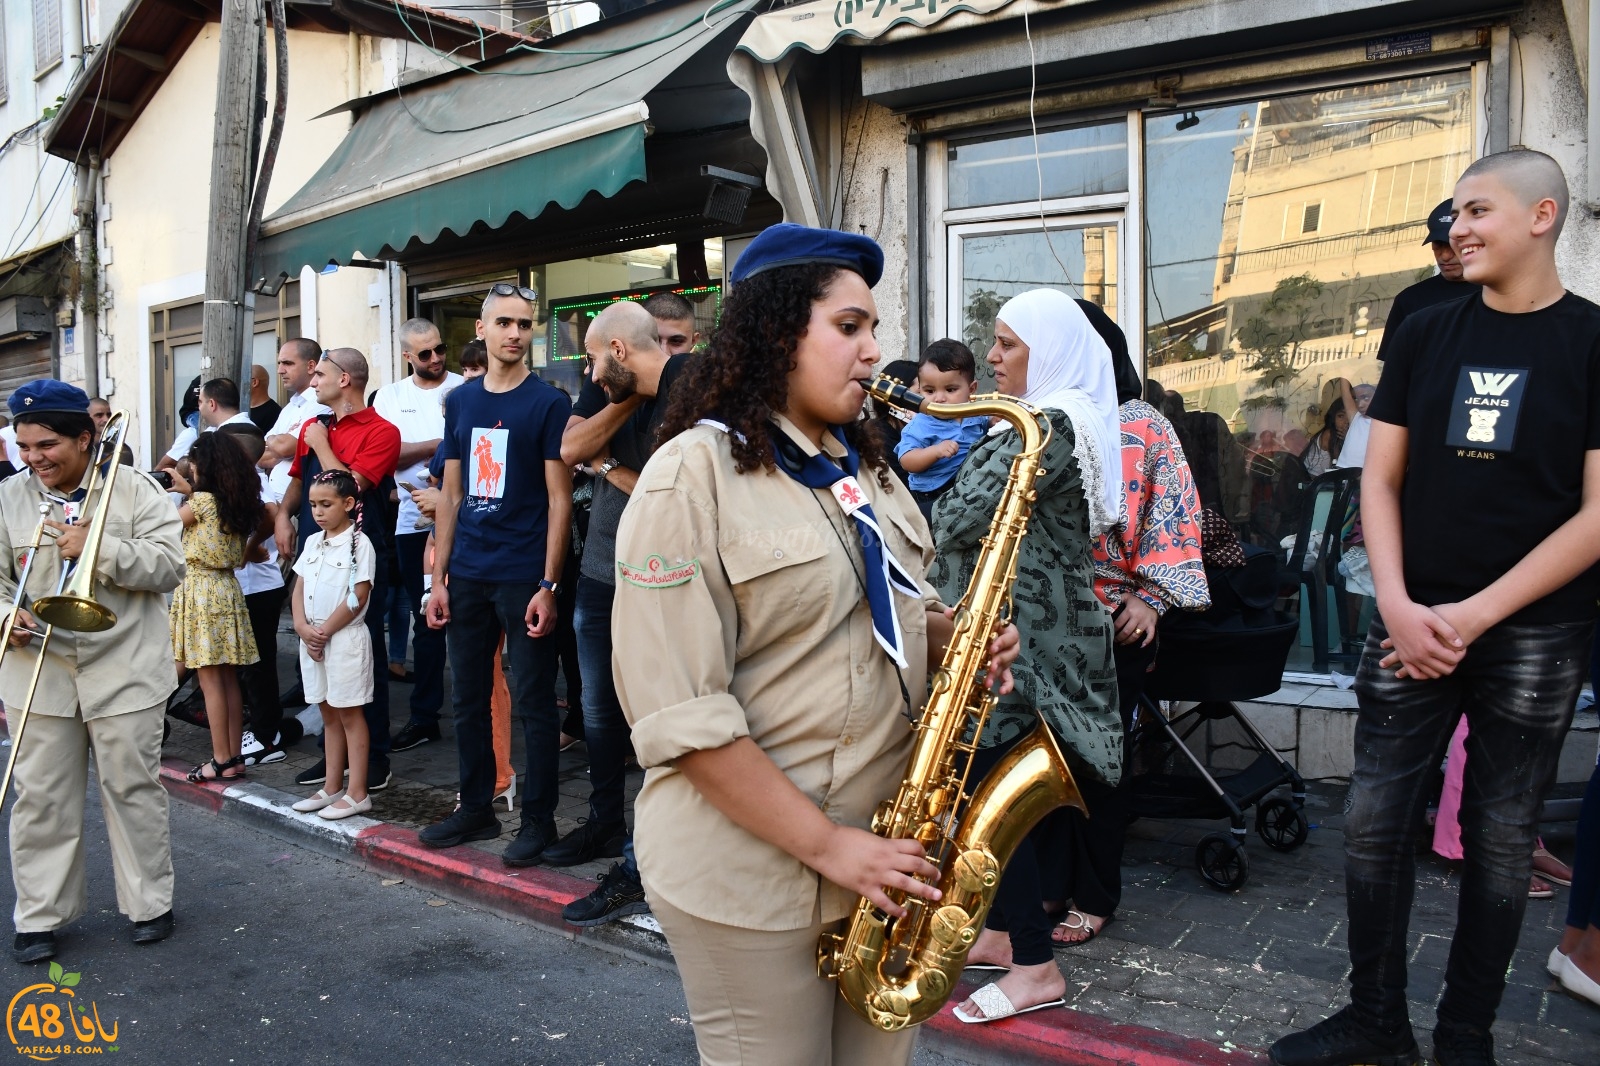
739,612
129,666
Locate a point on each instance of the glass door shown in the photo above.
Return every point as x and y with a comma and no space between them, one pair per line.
990,262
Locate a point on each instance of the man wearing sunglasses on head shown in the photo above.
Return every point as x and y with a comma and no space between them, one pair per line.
415,404
503,523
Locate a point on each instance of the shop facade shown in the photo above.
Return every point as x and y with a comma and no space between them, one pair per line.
1243,187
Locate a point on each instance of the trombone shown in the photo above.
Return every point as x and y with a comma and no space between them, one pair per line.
72,605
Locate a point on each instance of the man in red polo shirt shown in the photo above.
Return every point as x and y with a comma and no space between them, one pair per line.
354,438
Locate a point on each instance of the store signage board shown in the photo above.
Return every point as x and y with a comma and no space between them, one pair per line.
1399,46
816,26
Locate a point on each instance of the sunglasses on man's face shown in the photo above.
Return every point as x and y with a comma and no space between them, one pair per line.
426,354
505,288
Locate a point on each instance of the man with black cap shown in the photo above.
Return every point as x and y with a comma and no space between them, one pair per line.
98,692
1449,284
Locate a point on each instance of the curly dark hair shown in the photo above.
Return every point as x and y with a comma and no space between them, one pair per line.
743,375
221,468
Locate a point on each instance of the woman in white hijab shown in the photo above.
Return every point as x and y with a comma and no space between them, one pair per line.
1047,353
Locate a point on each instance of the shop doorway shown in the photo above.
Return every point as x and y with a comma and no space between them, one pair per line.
990,262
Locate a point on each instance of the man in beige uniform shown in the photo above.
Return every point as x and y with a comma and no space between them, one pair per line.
104,692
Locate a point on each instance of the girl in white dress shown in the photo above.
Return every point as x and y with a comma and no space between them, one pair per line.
330,600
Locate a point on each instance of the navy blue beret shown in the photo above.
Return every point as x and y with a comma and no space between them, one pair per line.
48,395
787,244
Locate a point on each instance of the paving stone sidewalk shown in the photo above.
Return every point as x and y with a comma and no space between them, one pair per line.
1237,970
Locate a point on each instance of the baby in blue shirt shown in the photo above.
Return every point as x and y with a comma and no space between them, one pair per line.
931,450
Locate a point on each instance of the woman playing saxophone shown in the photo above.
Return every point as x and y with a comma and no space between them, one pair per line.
773,632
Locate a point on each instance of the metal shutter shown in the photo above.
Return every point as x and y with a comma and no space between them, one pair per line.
46,34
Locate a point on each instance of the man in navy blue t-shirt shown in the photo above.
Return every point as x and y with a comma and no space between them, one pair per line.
506,493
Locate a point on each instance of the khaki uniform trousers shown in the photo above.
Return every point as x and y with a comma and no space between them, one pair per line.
755,998
52,779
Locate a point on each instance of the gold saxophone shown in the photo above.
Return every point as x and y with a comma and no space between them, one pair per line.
896,972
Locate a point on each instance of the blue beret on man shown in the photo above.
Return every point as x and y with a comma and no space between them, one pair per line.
787,244
48,396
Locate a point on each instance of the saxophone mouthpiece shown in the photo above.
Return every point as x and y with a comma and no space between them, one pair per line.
889,390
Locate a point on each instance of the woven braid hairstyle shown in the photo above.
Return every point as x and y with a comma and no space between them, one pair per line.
344,483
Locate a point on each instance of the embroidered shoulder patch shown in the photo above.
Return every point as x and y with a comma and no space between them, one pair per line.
657,573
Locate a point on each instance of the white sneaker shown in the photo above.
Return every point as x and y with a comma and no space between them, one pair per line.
249,745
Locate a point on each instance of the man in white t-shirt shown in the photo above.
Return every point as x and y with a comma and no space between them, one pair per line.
416,405
296,360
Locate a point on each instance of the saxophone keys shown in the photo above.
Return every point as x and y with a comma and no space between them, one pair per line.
976,870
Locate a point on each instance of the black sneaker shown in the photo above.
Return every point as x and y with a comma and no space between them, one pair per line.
379,775
459,828
157,928
314,774
588,842
534,839
619,895
1463,1045
1343,1040
33,947
258,754
414,735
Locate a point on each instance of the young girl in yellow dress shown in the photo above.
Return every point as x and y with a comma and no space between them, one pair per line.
223,520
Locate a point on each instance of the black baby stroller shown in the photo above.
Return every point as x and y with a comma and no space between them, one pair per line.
1234,651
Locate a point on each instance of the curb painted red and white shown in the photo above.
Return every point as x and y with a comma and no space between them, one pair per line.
1056,1038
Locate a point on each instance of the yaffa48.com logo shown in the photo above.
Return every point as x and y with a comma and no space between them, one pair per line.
46,1021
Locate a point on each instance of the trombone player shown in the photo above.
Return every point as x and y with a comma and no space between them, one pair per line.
100,691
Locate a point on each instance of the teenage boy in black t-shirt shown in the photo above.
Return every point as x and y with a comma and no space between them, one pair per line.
1481,509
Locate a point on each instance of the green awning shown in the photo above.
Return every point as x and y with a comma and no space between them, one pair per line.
512,136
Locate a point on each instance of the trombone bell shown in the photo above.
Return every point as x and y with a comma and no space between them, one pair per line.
78,614
74,607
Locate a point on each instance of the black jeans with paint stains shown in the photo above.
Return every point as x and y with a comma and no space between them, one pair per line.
1517,687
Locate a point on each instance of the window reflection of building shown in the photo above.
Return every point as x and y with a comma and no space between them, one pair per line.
1319,225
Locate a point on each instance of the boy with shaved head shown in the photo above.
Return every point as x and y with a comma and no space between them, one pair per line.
1481,508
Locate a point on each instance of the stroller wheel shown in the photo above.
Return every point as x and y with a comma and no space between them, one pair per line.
1222,862
1281,824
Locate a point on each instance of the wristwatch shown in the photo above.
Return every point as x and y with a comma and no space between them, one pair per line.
606,467
553,588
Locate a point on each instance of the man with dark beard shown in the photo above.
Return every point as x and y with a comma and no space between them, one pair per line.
630,376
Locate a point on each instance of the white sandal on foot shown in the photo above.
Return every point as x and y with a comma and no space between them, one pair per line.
996,1005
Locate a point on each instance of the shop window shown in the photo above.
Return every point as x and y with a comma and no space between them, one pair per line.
46,35
992,262
1072,161
572,291
1277,234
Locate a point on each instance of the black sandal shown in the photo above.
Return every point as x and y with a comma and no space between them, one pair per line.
199,776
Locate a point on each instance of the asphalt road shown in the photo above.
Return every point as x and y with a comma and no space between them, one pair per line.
282,955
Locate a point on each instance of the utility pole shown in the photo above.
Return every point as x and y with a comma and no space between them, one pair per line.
226,325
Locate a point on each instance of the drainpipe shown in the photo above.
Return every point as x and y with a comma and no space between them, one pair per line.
88,247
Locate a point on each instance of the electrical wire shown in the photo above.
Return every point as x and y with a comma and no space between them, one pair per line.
1038,161
400,94
599,53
